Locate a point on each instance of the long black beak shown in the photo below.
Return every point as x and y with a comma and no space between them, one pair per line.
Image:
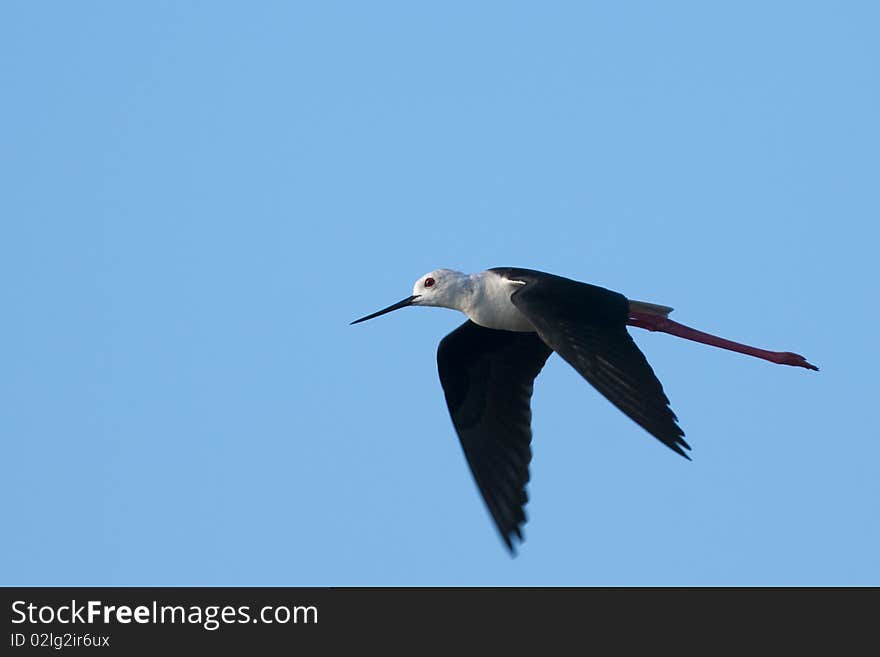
400,304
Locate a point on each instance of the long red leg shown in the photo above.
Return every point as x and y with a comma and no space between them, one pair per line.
666,325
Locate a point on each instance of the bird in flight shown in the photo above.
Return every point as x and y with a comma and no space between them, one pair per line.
516,319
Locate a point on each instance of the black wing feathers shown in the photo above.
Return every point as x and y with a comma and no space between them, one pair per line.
487,378
586,325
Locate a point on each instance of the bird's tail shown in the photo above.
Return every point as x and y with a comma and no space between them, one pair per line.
649,308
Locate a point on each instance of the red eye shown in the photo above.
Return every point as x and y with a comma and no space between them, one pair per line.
429,281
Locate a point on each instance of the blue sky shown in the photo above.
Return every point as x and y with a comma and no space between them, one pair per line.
198,198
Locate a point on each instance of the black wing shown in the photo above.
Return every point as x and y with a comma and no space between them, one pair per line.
487,378
586,325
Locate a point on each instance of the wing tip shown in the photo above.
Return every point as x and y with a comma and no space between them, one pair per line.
507,537
679,444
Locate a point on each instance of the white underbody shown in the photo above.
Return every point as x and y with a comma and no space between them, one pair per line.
488,303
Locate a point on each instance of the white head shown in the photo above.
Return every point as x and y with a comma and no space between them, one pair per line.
442,287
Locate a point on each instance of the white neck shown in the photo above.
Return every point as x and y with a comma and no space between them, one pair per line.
485,299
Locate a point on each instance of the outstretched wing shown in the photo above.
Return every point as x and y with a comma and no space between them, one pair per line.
487,378
586,325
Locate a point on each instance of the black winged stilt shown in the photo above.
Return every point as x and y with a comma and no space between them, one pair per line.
516,319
